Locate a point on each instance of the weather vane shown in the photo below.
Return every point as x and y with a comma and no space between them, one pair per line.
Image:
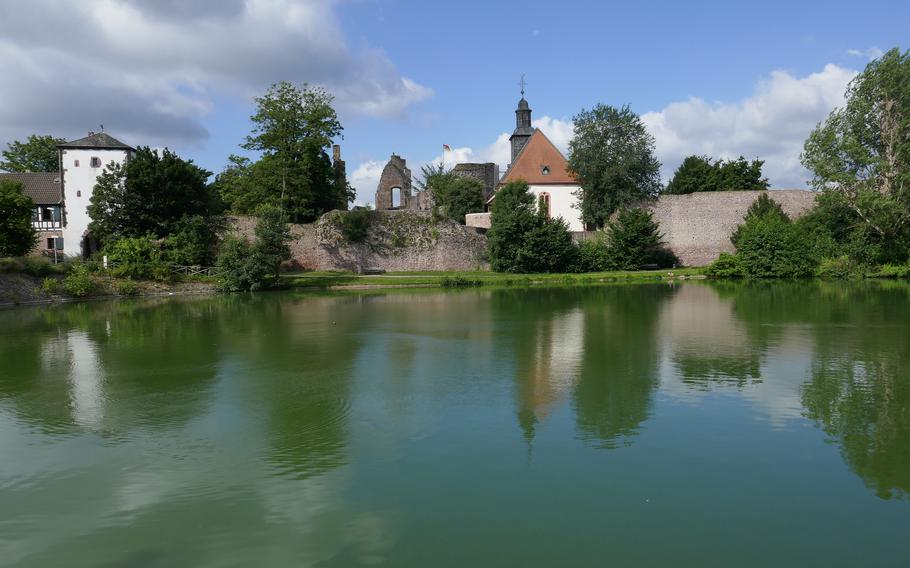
522,84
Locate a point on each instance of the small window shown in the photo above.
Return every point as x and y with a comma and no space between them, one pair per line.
75,163
96,162
46,214
50,243
545,170
78,193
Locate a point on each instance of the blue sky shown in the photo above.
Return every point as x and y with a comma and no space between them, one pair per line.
708,77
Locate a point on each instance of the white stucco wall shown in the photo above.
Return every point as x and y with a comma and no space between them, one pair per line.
78,184
562,203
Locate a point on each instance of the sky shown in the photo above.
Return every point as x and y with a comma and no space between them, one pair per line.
718,78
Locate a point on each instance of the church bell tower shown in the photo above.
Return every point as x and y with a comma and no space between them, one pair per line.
523,128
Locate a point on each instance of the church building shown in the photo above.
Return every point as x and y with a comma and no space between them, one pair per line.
536,160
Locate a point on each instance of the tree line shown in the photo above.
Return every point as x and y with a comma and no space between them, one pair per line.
859,158
158,209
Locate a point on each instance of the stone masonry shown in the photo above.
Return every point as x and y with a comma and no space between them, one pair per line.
396,241
698,226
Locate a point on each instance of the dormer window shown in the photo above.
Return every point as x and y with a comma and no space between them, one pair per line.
96,162
545,170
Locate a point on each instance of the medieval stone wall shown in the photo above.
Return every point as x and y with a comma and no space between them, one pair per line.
396,241
487,174
698,226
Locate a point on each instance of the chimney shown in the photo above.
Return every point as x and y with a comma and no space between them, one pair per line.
336,152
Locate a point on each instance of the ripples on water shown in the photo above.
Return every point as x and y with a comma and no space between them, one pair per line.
734,424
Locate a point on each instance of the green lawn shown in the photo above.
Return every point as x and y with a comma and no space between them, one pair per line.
341,280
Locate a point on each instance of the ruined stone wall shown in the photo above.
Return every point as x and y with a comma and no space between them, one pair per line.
487,174
698,226
396,241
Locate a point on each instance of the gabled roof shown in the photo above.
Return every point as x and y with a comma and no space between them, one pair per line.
97,140
540,163
42,187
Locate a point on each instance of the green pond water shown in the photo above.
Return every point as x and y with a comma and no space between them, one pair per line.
632,425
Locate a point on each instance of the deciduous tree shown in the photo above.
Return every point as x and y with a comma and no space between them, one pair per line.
148,195
701,173
612,155
862,151
37,154
17,236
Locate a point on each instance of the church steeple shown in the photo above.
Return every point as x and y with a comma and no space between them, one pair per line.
523,128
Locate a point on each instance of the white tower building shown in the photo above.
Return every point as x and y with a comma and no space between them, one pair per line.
81,162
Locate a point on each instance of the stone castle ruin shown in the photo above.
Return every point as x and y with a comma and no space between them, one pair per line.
395,191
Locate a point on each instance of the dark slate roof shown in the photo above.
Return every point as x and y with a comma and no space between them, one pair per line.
100,140
43,188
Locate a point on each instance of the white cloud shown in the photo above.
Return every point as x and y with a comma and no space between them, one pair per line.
365,179
772,124
150,70
870,53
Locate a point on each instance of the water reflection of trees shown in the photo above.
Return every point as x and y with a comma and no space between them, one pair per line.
621,361
295,359
109,366
859,390
598,344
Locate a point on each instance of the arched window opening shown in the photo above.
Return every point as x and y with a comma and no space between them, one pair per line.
544,204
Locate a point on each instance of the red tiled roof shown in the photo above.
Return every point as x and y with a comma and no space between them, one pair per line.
540,163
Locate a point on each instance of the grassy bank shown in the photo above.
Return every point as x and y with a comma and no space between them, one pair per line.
348,280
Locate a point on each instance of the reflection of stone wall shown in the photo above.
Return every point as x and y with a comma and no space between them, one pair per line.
396,241
698,226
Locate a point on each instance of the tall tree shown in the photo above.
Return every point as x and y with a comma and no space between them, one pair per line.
701,173
148,195
294,128
17,236
861,153
37,154
612,155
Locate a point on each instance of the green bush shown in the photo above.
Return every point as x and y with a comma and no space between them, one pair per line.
243,266
138,258
456,196
355,224
239,269
50,286
634,240
10,264
522,239
193,240
39,266
593,256
548,247
512,217
769,246
726,266
892,271
127,288
838,268
459,281
79,282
